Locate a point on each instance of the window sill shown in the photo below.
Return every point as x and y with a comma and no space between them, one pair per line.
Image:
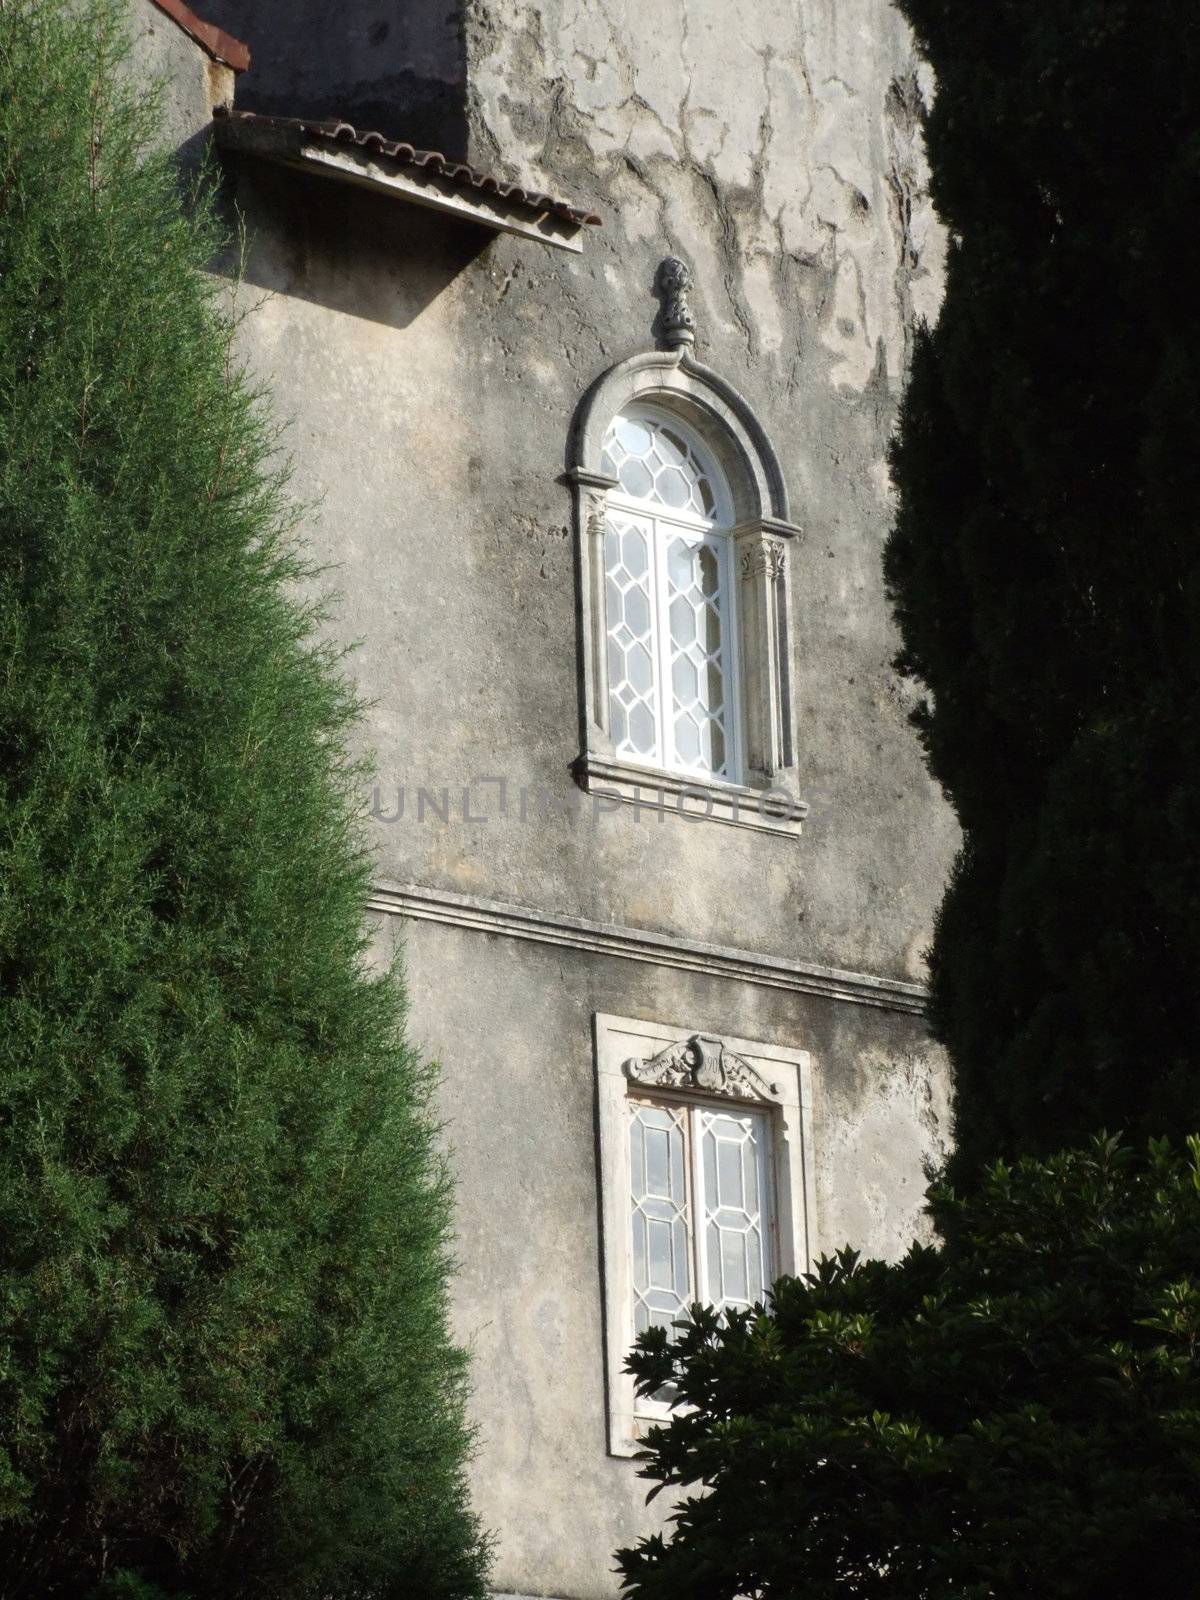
631,1440
691,800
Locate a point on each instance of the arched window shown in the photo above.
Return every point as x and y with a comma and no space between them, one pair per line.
683,524
668,598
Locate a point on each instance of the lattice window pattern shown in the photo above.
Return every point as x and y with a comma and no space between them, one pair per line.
653,461
696,643
632,651
667,602
662,1274
734,1205
699,1209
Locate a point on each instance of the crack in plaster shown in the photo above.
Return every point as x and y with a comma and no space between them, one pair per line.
825,184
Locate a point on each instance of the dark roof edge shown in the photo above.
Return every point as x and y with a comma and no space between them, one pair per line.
286,133
221,46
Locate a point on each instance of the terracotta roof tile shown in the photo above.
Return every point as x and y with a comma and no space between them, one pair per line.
459,173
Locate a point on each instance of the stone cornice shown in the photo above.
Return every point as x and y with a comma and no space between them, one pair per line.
638,944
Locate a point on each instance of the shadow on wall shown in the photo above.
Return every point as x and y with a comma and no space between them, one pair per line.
343,248
399,68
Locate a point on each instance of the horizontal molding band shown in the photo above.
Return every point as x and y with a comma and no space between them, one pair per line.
496,1594
773,810
637,944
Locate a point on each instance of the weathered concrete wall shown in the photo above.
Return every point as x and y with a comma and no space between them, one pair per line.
401,68
432,374
775,145
434,422
192,83
511,1025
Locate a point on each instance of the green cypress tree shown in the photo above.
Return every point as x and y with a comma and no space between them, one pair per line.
224,1360
1045,567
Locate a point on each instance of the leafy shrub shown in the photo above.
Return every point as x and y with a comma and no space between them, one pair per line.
1014,1413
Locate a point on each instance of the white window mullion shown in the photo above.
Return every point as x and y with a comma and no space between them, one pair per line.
771,1251
662,641
699,1209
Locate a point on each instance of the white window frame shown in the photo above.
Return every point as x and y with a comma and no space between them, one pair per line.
648,1408
663,523
764,792
629,1054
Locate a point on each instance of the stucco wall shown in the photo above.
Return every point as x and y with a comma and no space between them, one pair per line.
773,146
374,62
510,1024
430,373
434,376
190,82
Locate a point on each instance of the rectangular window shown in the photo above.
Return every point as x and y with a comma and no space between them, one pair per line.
704,1184
700,1209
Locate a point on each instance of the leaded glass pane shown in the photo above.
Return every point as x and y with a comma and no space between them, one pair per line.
696,651
636,478
661,1242
641,730
669,651
733,1162
632,705
653,461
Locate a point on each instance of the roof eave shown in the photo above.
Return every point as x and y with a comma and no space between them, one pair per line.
293,147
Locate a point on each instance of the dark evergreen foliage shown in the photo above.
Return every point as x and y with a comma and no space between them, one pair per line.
1017,1412
224,1364
1045,564
1014,1414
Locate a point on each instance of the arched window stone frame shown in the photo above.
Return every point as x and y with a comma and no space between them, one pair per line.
763,535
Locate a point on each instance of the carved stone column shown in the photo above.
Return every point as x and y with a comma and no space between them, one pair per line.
591,489
762,561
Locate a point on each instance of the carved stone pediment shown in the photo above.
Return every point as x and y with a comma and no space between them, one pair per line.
701,1062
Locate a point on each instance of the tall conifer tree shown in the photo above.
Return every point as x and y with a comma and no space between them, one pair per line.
224,1362
1045,564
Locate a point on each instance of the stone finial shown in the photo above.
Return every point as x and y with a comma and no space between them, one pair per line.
678,323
